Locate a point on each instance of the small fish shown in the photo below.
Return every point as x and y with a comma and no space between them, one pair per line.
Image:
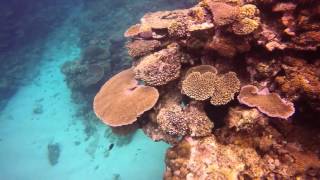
110,147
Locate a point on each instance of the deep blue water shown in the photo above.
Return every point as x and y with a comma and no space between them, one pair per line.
48,130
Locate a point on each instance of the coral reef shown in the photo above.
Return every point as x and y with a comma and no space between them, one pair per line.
198,59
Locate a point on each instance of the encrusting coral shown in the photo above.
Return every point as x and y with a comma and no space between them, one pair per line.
193,63
121,99
270,104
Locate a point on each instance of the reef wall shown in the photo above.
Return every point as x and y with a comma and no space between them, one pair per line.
264,52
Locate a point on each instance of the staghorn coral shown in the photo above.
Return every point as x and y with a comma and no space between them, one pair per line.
121,100
270,104
159,68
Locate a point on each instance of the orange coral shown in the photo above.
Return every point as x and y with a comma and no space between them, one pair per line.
121,100
270,104
160,68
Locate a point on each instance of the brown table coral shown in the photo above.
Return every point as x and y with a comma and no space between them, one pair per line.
121,99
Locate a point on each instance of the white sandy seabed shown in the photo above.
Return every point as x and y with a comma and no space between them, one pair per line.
24,135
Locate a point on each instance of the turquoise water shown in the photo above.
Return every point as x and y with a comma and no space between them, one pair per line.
37,107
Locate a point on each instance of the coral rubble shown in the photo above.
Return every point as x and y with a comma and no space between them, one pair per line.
195,61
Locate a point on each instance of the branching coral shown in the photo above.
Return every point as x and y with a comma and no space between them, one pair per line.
121,100
270,104
160,68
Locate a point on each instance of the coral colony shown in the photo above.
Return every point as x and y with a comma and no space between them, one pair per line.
256,60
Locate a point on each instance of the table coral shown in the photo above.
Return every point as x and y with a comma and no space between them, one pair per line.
121,100
270,104
202,82
199,86
225,88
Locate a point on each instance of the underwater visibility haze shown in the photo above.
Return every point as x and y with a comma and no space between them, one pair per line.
159,89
